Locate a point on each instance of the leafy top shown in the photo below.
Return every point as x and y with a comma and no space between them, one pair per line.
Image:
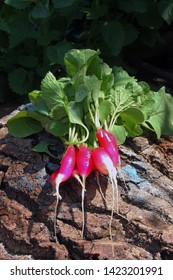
94,95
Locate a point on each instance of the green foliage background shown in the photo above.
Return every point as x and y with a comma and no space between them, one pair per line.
35,35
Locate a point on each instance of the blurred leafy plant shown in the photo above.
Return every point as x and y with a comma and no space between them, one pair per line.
35,34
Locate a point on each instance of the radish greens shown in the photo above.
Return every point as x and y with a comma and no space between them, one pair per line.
93,95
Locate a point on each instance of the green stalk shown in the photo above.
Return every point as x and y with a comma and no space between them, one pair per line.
117,113
97,122
91,115
74,135
113,120
87,135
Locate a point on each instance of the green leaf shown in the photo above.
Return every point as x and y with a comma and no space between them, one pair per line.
75,113
18,4
79,60
155,124
20,80
42,147
23,124
57,128
29,61
70,91
121,77
40,12
56,53
81,92
166,10
4,26
45,38
103,73
58,113
151,18
132,118
120,133
105,109
131,33
19,32
64,4
131,6
122,99
94,85
135,88
114,36
147,104
98,68
39,105
107,83
52,93
161,118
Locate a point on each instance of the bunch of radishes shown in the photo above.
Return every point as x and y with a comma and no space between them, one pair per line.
80,161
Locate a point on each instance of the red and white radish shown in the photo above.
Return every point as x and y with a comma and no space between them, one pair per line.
63,173
84,161
104,165
85,166
108,141
65,170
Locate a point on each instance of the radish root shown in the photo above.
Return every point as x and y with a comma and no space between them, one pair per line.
100,188
58,198
83,184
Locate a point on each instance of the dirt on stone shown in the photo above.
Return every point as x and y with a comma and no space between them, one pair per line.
142,231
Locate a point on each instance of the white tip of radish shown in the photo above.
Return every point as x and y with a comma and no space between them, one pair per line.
58,181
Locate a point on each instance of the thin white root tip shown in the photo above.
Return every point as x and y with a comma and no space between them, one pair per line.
112,176
83,208
100,188
58,195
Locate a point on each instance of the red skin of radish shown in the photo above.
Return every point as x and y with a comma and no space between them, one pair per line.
68,162
108,141
85,163
102,161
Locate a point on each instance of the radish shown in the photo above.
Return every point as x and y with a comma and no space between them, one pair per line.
108,141
84,167
84,161
53,176
104,165
66,168
102,161
63,173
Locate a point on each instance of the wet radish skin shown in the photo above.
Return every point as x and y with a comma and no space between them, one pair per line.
67,165
108,141
102,161
85,163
